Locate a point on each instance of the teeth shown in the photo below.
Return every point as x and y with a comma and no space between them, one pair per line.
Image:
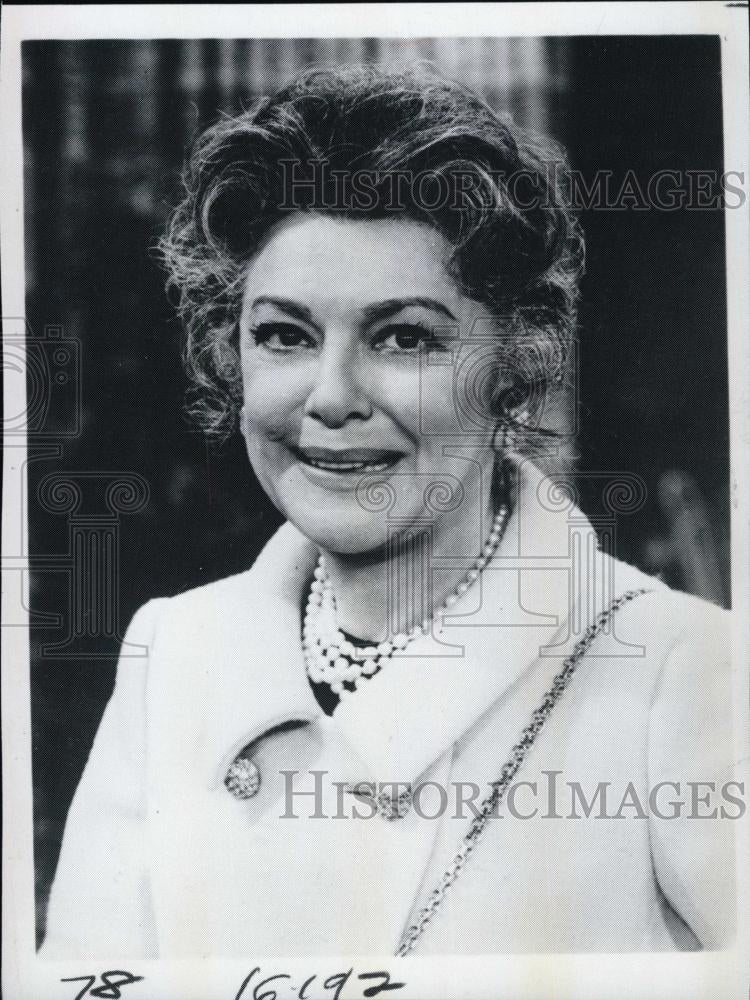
347,466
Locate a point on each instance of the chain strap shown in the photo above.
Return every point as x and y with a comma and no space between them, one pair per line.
517,756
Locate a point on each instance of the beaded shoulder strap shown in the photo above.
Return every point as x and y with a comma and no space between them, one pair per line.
517,756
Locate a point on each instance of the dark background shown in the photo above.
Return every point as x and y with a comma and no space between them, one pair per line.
106,127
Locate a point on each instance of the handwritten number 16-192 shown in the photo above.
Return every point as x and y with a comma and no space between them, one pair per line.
263,990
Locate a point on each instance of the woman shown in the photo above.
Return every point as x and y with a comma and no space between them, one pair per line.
378,275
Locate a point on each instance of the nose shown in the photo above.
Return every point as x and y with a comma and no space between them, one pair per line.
340,392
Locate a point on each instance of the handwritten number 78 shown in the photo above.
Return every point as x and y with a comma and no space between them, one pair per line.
110,988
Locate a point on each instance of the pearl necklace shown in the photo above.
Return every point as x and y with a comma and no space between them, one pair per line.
330,658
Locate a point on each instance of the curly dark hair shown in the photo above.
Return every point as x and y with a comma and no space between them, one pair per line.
493,191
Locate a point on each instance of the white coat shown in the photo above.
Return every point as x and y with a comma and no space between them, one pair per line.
159,860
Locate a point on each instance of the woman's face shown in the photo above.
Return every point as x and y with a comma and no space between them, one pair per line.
352,381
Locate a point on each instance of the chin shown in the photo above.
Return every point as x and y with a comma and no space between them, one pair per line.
343,533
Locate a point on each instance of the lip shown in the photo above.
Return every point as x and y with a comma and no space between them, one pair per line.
344,466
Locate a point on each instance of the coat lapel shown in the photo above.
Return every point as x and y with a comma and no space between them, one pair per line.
231,651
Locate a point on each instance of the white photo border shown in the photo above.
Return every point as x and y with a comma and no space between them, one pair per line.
690,976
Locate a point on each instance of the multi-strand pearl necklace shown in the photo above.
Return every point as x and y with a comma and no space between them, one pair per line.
331,658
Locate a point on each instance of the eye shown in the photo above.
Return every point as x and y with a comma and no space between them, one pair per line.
281,336
404,338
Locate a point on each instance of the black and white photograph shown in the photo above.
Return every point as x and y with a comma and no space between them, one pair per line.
375,513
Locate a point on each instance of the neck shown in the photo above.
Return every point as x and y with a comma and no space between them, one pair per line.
397,587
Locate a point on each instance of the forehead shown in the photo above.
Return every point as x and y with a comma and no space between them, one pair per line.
322,259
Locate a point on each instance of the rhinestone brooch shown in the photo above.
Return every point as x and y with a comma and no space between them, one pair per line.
393,808
387,806
243,778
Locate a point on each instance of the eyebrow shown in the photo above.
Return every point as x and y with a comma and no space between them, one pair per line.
382,310
372,313
294,309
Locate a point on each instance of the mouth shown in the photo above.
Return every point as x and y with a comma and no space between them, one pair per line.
348,461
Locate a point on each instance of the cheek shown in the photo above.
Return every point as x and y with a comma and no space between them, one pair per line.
438,408
271,400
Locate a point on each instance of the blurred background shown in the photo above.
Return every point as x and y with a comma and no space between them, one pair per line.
106,128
